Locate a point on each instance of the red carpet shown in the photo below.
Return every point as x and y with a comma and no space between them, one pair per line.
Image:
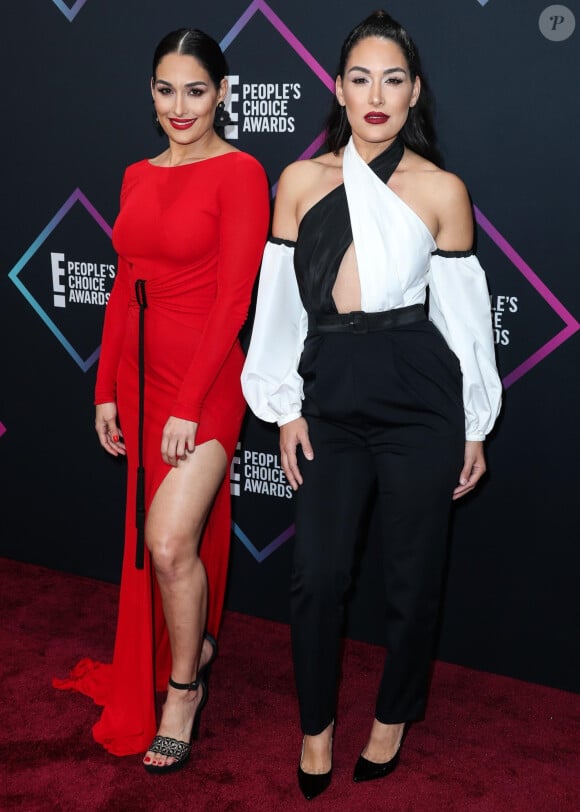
488,744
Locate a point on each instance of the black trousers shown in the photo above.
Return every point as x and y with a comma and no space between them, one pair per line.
386,421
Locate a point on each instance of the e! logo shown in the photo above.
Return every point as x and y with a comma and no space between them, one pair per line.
234,474
232,97
557,23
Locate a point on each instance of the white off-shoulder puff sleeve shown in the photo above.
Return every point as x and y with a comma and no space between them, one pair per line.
459,306
270,380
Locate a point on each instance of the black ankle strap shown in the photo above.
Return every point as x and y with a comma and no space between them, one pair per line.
184,686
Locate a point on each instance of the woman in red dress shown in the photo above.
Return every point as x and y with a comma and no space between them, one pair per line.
189,236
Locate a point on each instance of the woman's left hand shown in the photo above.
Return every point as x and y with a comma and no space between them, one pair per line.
473,469
178,439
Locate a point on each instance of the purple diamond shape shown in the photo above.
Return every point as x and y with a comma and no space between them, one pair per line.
281,27
76,197
284,31
69,13
571,325
262,555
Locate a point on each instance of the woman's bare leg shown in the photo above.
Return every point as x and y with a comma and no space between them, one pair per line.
175,522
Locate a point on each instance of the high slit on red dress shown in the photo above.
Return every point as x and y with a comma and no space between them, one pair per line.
195,234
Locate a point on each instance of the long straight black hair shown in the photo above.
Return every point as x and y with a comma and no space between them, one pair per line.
418,132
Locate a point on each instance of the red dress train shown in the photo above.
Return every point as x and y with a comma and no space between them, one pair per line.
195,234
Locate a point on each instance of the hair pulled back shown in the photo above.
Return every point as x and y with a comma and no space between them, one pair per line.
418,133
195,43
203,48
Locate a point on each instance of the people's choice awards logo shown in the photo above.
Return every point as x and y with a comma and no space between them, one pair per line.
528,297
67,274
79,282
261,107
255,473
258,472
557,23
271,89
502,308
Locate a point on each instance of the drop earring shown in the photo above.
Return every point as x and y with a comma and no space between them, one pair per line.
222,117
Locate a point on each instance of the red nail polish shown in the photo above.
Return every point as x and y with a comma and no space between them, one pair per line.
115,438
147,759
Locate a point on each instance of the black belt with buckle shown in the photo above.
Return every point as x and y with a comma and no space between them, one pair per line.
359,322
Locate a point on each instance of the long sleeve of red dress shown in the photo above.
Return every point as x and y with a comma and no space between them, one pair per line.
242,203
113,330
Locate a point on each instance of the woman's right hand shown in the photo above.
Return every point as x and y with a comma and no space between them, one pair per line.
107,429
292,435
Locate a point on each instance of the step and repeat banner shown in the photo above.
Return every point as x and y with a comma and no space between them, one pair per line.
77,110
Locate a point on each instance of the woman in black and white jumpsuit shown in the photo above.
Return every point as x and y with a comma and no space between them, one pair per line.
370,394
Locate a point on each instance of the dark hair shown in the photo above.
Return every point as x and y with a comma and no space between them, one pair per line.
199,45
418,132
195,43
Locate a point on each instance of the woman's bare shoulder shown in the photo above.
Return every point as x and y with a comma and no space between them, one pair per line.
446,185
308,171
444,189
301,184
447,196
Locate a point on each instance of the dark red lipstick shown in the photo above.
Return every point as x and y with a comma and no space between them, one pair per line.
376,118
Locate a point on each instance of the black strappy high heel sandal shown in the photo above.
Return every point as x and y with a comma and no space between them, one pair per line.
173,748
205,671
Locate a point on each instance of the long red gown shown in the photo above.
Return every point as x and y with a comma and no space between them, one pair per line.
195,234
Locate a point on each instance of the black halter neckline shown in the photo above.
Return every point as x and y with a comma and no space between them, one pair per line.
325,234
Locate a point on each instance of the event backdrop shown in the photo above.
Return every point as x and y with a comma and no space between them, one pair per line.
77,110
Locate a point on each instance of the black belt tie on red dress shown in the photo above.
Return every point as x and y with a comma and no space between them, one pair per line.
140,498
